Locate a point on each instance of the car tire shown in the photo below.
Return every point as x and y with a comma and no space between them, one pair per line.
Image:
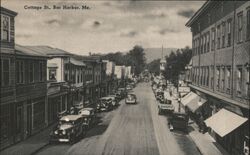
72,140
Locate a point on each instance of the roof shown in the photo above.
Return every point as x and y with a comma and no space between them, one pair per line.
22,50
50,51
106,98
76,62
224,122
198,13
7,11
70,117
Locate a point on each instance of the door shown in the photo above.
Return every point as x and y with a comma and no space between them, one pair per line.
29,120
19,124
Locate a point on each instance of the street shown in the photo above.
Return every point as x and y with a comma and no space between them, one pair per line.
130,130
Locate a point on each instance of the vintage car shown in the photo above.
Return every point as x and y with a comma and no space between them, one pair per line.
69,129
104,104
129,87
78,107
131,99
165,105
178,121
114,100
89,116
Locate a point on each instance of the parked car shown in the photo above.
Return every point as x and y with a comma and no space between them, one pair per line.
121,93
89,116
69,129
104,104
159,95
178,121
129,87
114,100
165,105
131,99
78,107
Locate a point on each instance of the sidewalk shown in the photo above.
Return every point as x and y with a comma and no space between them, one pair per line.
30,145
204,142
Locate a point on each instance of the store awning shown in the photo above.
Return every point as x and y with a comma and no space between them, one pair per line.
197,102
188,98
77,62
224,122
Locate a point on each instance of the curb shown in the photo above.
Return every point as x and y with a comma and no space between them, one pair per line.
197,146
39,149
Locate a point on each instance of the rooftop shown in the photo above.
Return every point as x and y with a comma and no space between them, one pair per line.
22,50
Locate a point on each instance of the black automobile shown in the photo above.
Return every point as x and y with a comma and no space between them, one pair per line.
104,104
89,116
178,121
69,129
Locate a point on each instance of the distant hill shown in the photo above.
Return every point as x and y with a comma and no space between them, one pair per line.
155,53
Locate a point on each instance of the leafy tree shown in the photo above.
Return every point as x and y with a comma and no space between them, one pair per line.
154,66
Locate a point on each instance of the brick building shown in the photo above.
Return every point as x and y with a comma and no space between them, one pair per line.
220,69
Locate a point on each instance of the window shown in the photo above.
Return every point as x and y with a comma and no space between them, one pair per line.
218,78
208,18
52,73
5,72
212,76
208,41
239,80
213,40
223,34
248,23
31,72
248,81
201,47
20,72
229,32
78,76
40,71
228,79
207,78
204,43
5,28
240,27
218,36
223,78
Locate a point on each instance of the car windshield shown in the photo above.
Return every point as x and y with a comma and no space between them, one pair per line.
62,122
131,96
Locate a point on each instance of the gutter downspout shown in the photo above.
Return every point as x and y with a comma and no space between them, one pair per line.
233,54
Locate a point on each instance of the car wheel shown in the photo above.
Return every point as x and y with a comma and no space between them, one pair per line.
72,140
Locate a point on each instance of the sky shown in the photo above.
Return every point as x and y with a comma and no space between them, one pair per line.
108,26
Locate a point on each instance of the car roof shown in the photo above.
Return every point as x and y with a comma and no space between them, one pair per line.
131,94
106,98
70,117
89,109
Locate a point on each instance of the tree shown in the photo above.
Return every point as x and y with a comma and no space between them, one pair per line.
154,66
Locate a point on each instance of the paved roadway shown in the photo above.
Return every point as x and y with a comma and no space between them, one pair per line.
130,130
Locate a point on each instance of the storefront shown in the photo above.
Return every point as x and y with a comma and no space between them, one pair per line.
6,126
57,103
230,130
38,114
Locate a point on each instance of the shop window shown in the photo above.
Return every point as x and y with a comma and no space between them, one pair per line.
20,71
229,22
240,16
5,127
38,114
239,80
5,28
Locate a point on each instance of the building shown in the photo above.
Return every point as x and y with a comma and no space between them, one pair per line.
110,80
120,75
220,70
57,87
8,97
93,78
